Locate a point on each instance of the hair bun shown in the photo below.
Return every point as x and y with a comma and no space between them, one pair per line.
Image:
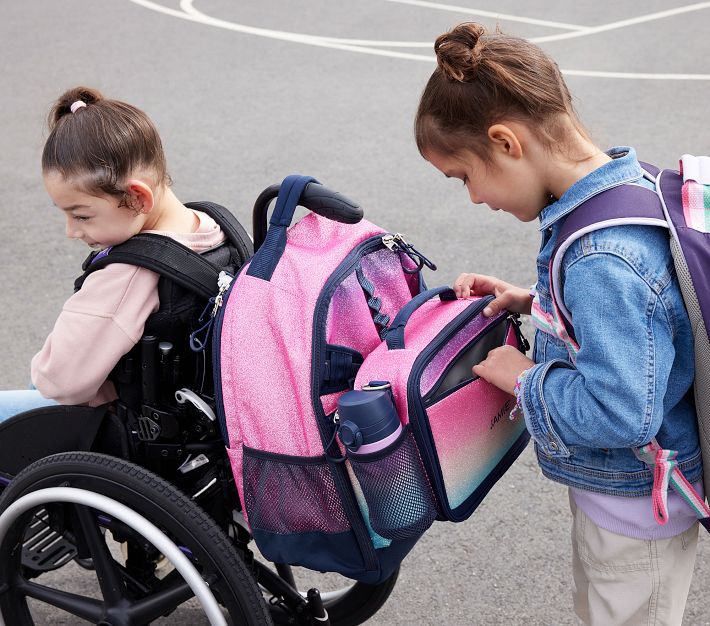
62,106
458,52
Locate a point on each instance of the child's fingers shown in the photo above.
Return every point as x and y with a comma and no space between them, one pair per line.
467,285
495,306
462,285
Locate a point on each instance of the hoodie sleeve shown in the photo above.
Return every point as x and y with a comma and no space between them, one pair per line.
97,326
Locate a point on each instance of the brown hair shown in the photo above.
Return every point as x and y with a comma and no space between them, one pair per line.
103,143
483,78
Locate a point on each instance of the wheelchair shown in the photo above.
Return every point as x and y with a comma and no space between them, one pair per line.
125,513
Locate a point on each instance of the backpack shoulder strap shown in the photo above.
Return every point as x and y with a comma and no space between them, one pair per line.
621,205
233,230
634,204
162,255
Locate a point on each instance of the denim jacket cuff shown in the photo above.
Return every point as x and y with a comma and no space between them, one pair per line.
536,411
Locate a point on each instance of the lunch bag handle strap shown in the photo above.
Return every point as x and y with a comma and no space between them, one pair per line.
395,334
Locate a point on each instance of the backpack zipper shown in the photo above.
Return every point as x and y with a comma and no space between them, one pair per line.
419,425
216,345
340,475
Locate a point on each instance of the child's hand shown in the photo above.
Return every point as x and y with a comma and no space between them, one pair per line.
502,367
507,296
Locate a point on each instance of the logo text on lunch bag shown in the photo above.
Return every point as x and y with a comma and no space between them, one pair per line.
505,410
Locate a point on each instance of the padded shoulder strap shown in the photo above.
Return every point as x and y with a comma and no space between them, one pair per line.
165,256
621,205
233,230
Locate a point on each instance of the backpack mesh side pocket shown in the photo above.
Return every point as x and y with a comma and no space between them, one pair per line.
399,497
286,495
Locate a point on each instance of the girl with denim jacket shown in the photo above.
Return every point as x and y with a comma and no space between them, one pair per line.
497,114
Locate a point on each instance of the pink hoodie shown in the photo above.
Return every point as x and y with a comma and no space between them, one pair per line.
101,322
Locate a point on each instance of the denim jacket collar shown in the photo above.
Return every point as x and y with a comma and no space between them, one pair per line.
623,168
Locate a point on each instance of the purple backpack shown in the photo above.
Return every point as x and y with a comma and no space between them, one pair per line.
325,307
680,203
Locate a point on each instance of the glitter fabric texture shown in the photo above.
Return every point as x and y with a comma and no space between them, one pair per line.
395,365
384,270
349,319
469,427
266,344
472,434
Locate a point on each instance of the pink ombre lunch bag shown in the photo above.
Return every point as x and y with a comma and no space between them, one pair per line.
325,306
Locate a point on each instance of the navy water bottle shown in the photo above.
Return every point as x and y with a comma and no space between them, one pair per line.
399,499
368,418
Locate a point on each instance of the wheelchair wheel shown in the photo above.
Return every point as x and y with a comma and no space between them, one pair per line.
129,591
348,603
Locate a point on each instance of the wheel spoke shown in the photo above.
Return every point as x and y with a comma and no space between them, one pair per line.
151,608
87,608
107,570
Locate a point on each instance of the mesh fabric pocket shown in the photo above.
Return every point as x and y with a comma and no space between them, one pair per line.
286,495
399,498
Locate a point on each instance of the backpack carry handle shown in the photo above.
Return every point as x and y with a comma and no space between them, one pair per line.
315,197
395,333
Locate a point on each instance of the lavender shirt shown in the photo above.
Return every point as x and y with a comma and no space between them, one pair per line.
633,517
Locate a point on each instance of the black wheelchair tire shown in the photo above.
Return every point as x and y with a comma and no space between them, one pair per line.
353,607
153,498
360,602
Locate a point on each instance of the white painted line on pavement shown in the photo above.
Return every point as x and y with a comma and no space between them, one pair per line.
188,7
191,14
493,14
592,30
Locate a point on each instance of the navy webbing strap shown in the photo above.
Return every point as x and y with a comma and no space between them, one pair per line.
340,368
165,256
373,302
395,335
268,255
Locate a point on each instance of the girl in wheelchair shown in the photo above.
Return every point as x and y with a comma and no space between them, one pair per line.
104,168
120,344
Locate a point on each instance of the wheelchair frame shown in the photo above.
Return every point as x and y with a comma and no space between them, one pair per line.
119,435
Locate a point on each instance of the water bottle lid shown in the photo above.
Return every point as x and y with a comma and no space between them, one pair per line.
377,385
372,412
350,435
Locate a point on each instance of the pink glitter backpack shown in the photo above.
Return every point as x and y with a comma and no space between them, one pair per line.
325,306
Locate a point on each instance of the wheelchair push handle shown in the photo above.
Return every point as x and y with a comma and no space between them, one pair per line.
314,197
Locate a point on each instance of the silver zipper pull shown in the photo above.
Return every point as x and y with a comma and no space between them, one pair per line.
224,280
389,242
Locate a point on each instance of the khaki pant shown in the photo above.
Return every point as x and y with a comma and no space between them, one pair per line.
630,582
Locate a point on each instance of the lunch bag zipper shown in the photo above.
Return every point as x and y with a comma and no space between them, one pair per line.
431,398
419,424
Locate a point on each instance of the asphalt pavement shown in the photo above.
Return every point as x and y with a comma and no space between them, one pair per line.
247,93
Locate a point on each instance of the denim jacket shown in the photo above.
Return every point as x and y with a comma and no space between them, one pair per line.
632,377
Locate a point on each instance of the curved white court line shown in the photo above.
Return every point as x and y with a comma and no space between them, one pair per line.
188,7
593,30
325,42
578,31
495,15
338,44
